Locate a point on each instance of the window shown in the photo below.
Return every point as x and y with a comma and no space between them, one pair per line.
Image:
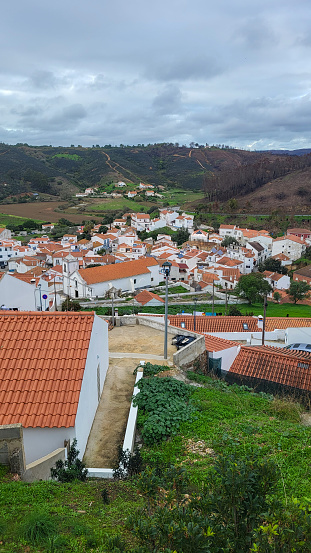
134,280
152,280
245,326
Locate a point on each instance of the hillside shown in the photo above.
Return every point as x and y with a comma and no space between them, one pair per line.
21,166
260,182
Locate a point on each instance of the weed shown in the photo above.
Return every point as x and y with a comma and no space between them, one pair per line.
286,409
151,370
128,464
105,496
38,527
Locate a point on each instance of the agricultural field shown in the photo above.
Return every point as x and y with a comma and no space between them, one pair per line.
42,211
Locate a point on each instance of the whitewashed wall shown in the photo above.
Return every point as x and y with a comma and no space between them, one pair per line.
88,402
42,441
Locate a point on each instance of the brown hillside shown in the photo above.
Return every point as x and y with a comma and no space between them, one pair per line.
291,194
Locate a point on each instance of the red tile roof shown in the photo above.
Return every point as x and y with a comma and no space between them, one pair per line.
207,324
273,323
212,343
273,365
118,270
42,360
145,296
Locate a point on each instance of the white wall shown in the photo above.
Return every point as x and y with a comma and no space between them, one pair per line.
298,335
16,293
88,401
39,442
227,357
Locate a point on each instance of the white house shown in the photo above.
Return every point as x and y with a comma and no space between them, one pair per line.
26,293
290,245
140,221
97,281
199,235
52,378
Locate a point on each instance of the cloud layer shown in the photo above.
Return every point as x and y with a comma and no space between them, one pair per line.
237,73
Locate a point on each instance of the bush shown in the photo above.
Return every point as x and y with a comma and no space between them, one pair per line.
128,464
72,468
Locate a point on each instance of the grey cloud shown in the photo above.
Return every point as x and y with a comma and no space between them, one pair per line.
168,101
194,68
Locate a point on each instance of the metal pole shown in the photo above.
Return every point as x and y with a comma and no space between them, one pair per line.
55,296
226,299
39,286
213,296
194,315
166,314
112,308
264,320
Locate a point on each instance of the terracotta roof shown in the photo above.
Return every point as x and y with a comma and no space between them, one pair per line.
293,238
273,323
298,231
273,365
207,324
213,343
281,257
43,357
145,296
118,270
305,271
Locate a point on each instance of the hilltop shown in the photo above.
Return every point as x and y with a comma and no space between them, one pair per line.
259,182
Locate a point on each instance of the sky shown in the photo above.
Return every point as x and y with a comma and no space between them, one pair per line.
234,72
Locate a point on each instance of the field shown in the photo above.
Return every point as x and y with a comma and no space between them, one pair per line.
42,211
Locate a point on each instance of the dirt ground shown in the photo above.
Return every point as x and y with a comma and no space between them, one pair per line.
128,345
43,211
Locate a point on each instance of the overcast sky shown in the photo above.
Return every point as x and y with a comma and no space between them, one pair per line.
236,72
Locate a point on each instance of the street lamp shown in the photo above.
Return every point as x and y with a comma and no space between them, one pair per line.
166,269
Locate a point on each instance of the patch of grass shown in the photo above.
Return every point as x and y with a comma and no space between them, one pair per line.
229,419
38,527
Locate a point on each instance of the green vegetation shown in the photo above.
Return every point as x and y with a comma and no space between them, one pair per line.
71,469
298,290
235,477
252,287
13,221
273,309
73,157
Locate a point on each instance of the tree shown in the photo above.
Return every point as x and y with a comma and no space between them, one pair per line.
103,229
181,236
253,287
273,265
228,240
277,296
298,290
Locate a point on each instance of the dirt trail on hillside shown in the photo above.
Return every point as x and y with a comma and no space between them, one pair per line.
110,421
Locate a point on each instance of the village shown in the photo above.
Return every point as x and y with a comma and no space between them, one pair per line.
61,362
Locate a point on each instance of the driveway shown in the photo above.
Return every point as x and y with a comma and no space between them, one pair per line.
128,345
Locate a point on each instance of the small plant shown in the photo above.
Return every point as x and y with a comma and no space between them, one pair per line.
105,496
150,369
72,468
128,464
38,528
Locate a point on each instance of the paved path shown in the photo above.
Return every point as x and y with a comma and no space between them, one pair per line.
128,345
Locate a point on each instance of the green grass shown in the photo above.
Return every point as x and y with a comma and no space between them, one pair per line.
15,220
120,204
232,419
79,518
273,309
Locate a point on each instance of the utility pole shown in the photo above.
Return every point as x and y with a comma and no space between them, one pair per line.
213,295
112,307
226,299
194,314
264,320
55,295
166,268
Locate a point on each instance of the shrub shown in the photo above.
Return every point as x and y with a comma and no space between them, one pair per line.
151,370
72,468
128,463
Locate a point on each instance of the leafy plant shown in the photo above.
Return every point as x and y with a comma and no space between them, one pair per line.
163,405
150,369
128,463
72,468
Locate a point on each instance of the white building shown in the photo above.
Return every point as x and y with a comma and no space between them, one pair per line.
57,372
290,245
97,281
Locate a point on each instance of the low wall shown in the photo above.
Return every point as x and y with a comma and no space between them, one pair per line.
41,469
12,451
195,352
129,438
